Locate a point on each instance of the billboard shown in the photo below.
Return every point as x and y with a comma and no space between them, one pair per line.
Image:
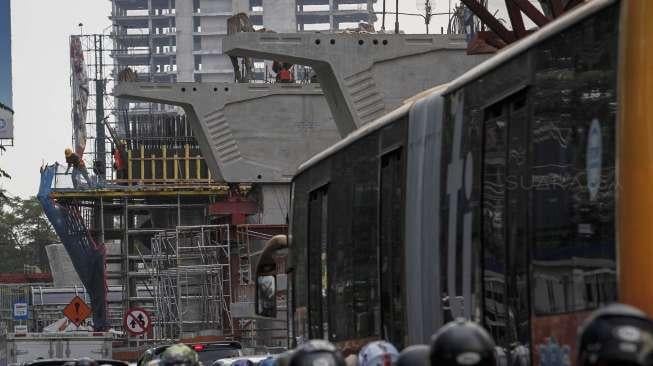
6,111
80,94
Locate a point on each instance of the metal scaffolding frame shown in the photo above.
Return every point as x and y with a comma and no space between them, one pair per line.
250,242
126,219
191,278
159,142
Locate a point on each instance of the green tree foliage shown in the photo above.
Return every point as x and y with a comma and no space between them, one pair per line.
24,233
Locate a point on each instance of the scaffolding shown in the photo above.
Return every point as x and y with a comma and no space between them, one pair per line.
161,146
191,278
250,242
9,295
127,219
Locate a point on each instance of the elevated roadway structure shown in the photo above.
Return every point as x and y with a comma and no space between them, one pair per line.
248,132
363,75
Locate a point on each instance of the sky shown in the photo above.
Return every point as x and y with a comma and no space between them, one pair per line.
41,71
41,84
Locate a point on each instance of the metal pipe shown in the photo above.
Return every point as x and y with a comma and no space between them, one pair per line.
383,17
397,17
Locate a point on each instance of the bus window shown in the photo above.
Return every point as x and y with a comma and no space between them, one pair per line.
391,248
317,264
505,220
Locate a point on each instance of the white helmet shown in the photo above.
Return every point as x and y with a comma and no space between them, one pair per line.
378,353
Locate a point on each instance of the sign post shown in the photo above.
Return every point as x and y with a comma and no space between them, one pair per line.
137,321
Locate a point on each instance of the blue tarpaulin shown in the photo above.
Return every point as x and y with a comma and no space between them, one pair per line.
86,254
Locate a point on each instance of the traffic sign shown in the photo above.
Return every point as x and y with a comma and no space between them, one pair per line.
77,311
20,311
20,329
137,321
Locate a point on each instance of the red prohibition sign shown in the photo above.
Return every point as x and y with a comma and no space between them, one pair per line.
137,321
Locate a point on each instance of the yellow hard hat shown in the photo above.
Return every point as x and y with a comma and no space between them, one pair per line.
68,152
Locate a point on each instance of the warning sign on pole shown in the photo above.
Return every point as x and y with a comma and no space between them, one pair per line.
77,311
137,321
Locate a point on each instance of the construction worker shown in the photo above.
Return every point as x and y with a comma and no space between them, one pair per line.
462,343
284,358
284,75
177,355
268,361
120,161
78,168
378,353
317,352
616,335
243,362
416,355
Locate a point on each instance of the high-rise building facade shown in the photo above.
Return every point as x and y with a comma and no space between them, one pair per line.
6,112
181,40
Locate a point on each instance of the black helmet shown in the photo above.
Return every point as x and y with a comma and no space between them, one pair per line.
616,334
462,343
309,353
86,361
417,355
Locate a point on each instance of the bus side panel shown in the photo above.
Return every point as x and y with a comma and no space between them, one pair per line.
298,246
459,211
422,228
347,268
573,182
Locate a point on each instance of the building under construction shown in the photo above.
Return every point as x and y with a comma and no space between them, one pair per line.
165,230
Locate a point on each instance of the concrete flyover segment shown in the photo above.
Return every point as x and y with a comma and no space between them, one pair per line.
248,132
363,75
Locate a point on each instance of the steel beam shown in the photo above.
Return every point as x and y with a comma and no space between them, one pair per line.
531,11
516,19
556,8
488,19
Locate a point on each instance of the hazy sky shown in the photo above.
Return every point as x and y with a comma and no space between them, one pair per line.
41,84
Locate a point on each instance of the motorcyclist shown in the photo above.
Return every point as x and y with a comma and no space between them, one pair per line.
416,355
284,358
378,353
177,355
268,361
86,361
617,334
243,362
462,343
316,352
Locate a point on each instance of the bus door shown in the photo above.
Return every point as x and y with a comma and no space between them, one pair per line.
505,218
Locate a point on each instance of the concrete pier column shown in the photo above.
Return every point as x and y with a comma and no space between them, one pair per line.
280,15
184,25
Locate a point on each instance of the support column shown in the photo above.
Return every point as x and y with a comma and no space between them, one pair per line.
184,23
100,134
634,157
150,40
280,16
